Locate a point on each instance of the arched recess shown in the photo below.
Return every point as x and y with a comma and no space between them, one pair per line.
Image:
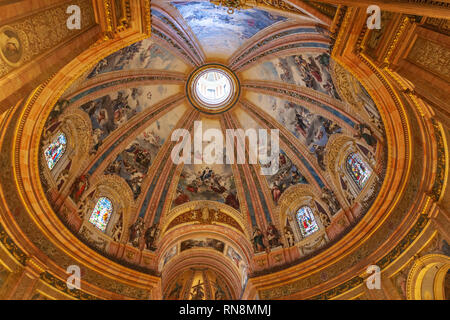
228,247
202,258
427,277
277,36
116,190
291,201
339,148
74,125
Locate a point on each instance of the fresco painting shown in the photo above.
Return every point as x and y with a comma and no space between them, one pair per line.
306,69
287,174
221,33
239,262
111,111
312,129
169,255
207,243
204,181
207,182
133,162
144,54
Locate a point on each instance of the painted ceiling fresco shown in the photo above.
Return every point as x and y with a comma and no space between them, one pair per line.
110,112
213,182
313,130
307,70
220,33
128,128
133,162
144,54
287,174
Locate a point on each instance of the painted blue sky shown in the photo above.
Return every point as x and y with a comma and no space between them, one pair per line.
221,33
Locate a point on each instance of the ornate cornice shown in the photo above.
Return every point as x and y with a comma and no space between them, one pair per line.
217,213
12,247
61,286
441,166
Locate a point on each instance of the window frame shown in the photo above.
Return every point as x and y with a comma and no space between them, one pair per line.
59,160
349,171
311,211
109,217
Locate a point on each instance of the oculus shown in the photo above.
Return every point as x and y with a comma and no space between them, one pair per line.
213,88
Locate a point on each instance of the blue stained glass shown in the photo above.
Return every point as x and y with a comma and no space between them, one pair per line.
358,169
55,150
306,221
101,213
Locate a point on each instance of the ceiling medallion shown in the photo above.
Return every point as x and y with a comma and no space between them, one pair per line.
213,88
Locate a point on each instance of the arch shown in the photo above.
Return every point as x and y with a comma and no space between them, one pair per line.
231,217
202,259
426,279
338,152
184,256
115,190
293,200
174,237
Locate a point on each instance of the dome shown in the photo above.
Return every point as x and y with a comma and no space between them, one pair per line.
274,148
257,152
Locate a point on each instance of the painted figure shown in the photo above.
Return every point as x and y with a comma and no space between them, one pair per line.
258,240
78,187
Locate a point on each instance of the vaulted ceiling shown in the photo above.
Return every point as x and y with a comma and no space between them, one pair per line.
119,117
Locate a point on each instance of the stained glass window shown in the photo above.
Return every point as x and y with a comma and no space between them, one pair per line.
101,214
55,150
358,169
306,221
